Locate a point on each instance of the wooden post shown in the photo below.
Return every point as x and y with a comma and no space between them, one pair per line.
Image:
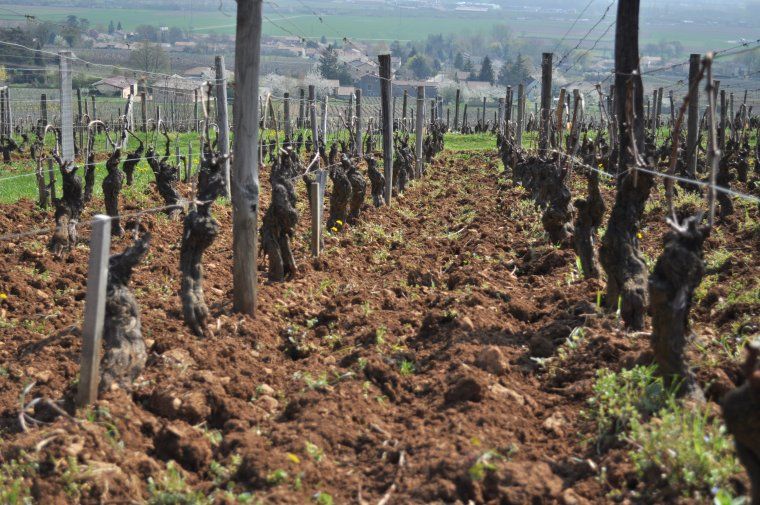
79,120
94,311
221,111
316,218
144,110
2,111
385,92
67,114
500,119
546,101
484,112
520,113
403,106
672,109
658,112
9,111
358,148
301,106
692,132
245,189
448,117
195,110
43,109
464,117
508,105
286,109
419,130
456,110
189,161
722,130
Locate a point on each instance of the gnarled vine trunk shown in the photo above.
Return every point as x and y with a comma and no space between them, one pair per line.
68,208
112,185
199,231
125,354
676,275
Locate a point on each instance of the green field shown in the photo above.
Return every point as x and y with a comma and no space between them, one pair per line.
403,24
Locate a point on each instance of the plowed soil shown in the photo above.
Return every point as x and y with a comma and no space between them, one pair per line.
402,365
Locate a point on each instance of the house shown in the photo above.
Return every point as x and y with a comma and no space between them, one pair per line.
370,86
206,73
345,91
179,89
116,85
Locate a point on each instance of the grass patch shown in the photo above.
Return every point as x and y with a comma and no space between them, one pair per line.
685,448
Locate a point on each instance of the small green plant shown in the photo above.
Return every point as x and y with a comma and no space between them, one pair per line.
314,451
483,465
380,334
688,447
277,477
322,498
621,397
717,259
406,368
13,489
173,490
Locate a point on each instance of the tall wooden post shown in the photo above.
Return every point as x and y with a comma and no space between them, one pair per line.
385,95
658,112
313,119
286,111
546,101
403,106
301,105
43,110
484,112
3,125
223,143
67,114
195,110
9,111
500,119
722,130
692,132
419,130
94,311
456,110
144,111
245,189
79,120
520,112
358,148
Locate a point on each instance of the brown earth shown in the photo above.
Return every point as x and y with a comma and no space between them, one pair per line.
397,365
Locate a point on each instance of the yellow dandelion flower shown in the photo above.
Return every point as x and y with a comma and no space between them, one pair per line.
639,236
292,457
3,296
334,229
601,166
338,221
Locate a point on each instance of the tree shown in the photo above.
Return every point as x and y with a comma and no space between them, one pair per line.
147,33
118,26
149,57
486,70
459,61
332,68
467,66
111,28
419,66
176,34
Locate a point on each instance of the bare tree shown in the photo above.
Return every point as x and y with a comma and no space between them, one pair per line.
149,57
